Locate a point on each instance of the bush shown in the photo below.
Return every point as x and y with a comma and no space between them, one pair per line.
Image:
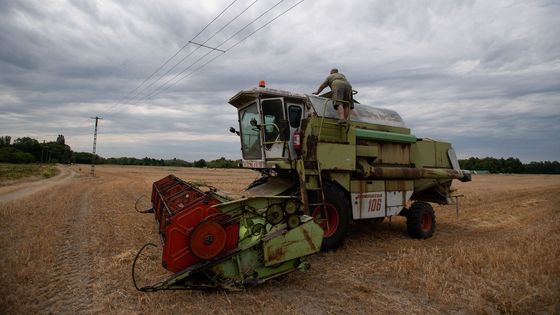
49,171
13,155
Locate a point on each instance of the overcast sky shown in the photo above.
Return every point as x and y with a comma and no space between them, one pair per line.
484,75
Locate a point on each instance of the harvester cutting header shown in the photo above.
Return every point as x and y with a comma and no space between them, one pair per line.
317,176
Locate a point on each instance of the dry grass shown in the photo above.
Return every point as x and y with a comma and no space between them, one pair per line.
70,249
11,174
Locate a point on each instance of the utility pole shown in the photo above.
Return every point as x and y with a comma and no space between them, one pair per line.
42,150
94,145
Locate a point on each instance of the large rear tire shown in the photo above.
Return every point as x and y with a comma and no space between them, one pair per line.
334,217
421,220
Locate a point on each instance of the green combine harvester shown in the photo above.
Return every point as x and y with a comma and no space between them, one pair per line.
317,176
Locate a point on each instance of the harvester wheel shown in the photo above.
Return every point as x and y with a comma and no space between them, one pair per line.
334,217
421,220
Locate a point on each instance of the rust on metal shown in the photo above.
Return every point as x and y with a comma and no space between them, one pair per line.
308,239
311,143
274,253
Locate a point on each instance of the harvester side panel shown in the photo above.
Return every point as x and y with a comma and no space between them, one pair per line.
379,198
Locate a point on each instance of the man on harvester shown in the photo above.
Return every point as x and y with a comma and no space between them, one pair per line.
341,94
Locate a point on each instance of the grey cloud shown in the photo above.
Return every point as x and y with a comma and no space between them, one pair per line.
458,70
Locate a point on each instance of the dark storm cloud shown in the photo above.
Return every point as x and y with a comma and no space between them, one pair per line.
484,75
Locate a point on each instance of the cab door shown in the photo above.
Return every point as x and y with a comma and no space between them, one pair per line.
274,128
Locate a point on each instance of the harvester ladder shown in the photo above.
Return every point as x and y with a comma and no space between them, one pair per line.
311,182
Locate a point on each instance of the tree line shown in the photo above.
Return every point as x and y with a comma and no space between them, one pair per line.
29,150
510,165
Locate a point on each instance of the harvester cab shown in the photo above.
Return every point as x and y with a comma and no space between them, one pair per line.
268,124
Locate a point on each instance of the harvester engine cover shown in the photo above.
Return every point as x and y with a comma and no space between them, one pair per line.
212,241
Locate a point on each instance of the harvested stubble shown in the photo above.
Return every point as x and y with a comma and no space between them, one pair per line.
71,248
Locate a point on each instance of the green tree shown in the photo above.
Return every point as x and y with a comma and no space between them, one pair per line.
59,153
29,145
82,157
13,155
200,163
60,140
5,141
223,163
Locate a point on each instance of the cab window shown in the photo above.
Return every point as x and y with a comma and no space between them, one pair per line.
294,115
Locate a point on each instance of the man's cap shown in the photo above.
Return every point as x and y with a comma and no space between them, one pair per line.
334,70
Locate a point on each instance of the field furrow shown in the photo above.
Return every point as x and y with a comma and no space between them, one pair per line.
68,248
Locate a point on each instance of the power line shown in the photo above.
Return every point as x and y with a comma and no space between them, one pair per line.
202,45
165,86
266,24
160,89
169,59
192,52
178,51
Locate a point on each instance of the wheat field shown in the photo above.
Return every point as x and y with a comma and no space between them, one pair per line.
69,247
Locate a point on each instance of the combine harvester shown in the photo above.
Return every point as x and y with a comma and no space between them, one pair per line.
317,176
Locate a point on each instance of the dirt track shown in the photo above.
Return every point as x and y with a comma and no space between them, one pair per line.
19,190
68,248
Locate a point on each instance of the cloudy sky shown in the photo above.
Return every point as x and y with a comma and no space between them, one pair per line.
484,75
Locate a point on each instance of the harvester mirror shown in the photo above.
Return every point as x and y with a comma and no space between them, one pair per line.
232,130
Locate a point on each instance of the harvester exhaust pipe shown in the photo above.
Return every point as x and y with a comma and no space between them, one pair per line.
367,171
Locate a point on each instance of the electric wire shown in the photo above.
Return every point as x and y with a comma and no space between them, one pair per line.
161,88
123,99
178,51
197,48
166,85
